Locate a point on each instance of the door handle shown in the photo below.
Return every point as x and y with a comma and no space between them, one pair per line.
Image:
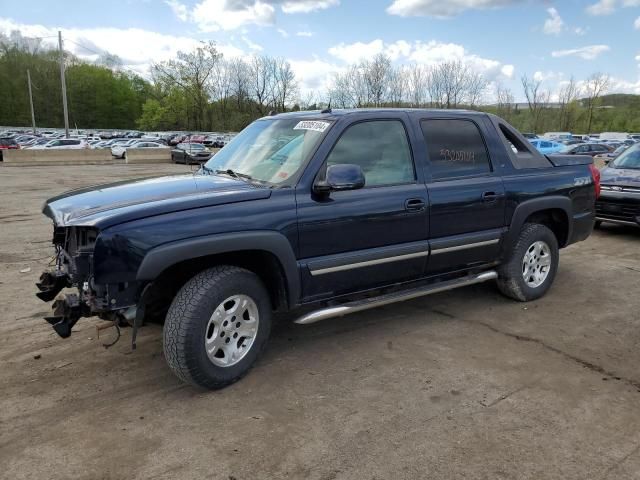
489,197
414,204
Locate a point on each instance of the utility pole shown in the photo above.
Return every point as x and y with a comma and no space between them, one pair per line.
64,87
33,115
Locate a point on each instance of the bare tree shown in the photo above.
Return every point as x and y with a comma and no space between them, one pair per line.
567,97
376,75
505,101
535,99
240,81
285,84
397,86
595,86
262,73
450,84
191,72
417,85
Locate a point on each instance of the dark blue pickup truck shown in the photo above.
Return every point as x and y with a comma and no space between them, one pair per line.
321,214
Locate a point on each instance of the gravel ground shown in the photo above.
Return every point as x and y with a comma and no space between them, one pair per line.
464,384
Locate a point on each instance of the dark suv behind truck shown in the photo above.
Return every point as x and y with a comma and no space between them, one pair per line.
321,214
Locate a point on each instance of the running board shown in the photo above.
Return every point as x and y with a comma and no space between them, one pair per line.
359,305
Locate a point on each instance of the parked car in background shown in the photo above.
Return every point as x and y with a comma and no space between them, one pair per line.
189,153
119,147
547,146
607,157
8,143
572,142
62,143
619,201
529,136
591,149
557,135
197,138
119,151
215,141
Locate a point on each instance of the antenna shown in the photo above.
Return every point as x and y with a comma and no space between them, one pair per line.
328,109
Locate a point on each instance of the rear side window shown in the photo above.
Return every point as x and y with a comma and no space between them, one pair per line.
455,148
381,148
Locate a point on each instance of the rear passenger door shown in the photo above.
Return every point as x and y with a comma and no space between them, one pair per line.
467,196
373,236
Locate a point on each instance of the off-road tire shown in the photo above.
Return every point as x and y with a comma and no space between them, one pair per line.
188,316
510,279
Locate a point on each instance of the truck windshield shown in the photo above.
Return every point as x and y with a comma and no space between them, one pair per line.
271,151
630,158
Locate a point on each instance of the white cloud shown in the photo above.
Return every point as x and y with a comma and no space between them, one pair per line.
587,53
602,7
253,46
580,31
283,32
507,70
304,33
424,53
354,52
215,15
306,6
136,48
314,75
180,10
554,24
539,76
607,7
636,24
443,8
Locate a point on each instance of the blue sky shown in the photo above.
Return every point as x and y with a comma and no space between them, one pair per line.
503,39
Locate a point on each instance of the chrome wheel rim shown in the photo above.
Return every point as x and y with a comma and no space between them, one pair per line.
231,330
536,264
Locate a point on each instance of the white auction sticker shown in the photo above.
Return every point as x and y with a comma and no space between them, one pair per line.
314,125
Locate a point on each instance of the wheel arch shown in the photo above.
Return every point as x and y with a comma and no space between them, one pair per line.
554,212
268,254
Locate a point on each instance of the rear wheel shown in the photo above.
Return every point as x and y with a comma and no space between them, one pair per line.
217,326
532,264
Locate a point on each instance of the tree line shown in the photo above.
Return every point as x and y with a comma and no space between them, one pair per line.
202,90
98,95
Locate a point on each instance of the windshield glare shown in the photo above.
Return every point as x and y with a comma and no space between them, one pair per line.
630,158
271,151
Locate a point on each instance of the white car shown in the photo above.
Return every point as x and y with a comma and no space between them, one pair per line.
62,143
119,150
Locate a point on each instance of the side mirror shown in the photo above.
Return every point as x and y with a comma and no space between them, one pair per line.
341,177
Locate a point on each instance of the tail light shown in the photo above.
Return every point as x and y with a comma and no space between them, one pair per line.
595,174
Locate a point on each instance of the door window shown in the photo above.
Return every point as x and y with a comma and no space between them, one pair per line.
455,148
380,148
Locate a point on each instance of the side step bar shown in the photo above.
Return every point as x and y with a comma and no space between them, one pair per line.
359,305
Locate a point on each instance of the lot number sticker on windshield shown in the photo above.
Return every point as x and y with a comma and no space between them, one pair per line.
314,125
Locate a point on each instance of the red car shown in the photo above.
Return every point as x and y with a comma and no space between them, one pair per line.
8,144
197,138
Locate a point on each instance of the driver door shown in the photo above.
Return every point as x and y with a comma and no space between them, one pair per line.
373,236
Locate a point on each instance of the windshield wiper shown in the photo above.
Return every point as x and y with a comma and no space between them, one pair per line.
234,174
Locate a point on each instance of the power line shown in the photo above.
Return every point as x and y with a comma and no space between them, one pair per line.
102,53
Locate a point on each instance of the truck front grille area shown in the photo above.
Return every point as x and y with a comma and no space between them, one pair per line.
74,251
618,209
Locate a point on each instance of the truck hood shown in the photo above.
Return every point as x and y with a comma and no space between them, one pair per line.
622,177
106,205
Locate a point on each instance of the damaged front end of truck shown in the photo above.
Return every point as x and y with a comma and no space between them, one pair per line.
73,268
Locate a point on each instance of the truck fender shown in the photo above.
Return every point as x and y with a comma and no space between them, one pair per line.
528,207
164,256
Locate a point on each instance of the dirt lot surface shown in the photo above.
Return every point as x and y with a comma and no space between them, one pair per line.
465,384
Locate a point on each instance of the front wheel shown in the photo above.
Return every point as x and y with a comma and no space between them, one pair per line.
532,264
217,326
